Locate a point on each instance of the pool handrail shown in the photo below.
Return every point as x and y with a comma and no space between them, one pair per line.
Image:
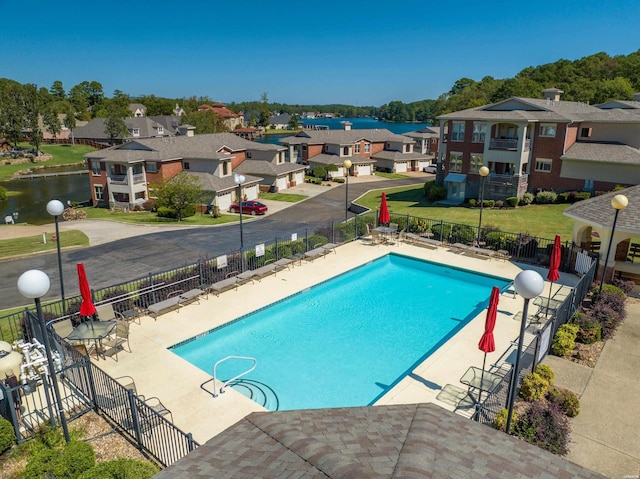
215,366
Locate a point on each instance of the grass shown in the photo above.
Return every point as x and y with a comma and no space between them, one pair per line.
61,155
538,220
391,176
287,197
34,244
149,218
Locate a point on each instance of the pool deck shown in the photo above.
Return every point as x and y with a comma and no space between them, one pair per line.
158,372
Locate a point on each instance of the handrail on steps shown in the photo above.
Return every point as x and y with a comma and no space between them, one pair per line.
215,366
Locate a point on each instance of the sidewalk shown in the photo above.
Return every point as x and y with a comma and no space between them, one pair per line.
605,434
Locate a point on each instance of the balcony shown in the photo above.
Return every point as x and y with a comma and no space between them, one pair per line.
508,144
122,179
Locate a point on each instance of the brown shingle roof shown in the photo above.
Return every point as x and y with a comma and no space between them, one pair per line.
603,152
398,441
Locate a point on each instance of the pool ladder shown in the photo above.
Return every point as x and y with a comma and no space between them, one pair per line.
226,383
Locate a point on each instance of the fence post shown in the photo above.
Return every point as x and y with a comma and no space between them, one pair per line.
277,247
45,384
134,417
441,231
333,232
306,239
200,271
153,290
190,442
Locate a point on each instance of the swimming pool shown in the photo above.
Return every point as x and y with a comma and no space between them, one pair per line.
347,341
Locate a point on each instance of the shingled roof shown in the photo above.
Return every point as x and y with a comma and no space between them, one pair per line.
344,137
398,441
599,212
603,152
263,167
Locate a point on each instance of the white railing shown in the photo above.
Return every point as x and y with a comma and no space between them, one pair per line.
226,383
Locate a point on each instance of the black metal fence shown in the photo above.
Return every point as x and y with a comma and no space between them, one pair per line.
537,348
84,387
141,292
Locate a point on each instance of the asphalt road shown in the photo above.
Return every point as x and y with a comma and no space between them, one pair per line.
130,258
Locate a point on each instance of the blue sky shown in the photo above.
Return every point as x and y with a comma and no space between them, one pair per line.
354,52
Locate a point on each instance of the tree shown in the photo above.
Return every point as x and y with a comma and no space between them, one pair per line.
12,110
33,100
179,193
205,122
117,110
57,91
294,124
265,114
52,122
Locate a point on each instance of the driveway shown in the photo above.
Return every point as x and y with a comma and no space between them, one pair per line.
123,252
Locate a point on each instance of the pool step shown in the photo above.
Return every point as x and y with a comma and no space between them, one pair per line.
258,392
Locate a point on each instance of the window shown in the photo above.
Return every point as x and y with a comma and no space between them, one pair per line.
137,169
367,147
407,149
455,162
136,132
160,130
548,129
304,147
99,191
325,148
478,132
457,131
225,168
95,167
248,155
543,165
345,151
475,163
585,132
152,167
356,148
186,165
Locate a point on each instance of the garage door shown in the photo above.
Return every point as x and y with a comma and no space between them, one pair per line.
251,192
299,178
364,170
281,184
401,167
224,201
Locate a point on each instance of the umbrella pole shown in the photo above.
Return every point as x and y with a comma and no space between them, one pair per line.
546,312
482,377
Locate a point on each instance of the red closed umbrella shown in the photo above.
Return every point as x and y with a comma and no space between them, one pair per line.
487,343
383,217
87,308
554,265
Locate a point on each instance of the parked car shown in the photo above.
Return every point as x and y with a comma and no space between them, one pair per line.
249,208
430,169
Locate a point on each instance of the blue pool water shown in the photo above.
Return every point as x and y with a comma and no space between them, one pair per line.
347,341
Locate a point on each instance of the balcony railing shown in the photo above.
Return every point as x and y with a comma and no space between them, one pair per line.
507,144
507,179
122,179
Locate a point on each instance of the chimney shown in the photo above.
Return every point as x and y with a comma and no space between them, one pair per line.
346,125
552,94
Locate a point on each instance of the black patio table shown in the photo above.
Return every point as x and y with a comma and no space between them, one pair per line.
92,331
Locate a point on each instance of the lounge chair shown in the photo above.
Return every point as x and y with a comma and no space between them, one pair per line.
314,253
329,247
230,281
282,263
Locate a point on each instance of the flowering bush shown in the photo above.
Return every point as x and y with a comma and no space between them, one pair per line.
567,400
608,318
544,425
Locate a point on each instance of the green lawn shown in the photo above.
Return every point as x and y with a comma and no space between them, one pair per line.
149,218
62,155
288,197
391,176
538,220
35,244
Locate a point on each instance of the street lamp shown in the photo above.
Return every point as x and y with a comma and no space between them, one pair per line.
619,202
55,208
347,166
34,284
528,284
239,179
484,172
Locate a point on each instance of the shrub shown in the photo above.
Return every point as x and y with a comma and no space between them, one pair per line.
418,225
563,197
437,229
624,285
608,318
7,435
473,202
527,198
533,387
565,340
462,234
500,422
544,425
338,180
589,332
546,197
499,203
489,203
546,373
427,187
317,239
166,212
583,195
512,201
319,172
69,461
495,240
607,288
567,400
437,193
121,469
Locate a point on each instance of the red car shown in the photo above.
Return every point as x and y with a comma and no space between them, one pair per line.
249,208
